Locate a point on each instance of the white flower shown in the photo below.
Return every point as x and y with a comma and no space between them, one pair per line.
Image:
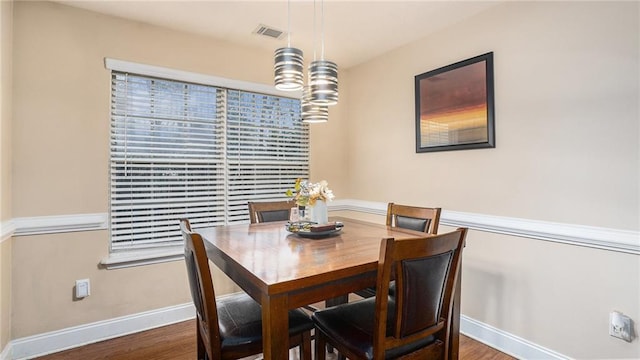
307,193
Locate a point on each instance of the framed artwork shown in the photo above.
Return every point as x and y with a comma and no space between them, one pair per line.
454,106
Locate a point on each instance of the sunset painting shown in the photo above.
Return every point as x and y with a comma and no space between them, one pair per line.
454,106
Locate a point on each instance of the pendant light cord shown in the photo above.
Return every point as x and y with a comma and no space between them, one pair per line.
288,23
314,30
322,28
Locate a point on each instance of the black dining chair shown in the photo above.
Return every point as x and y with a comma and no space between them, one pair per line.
413,324
423,219
267,211
231,327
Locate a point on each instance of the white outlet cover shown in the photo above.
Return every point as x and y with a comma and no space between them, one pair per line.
620,326
82,288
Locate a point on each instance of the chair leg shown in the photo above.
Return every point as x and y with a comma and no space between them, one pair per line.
321,346
202,352
305,346
338,300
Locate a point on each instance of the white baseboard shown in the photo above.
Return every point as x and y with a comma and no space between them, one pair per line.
505,342
55,341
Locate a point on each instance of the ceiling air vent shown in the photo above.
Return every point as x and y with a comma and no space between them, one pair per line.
268,31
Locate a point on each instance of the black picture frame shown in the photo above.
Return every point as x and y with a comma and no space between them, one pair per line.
455,106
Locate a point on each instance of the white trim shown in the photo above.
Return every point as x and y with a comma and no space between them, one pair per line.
73,337
59,223
505,342
6,352
7,230
173,74
124,259
55,341
369,207
627,241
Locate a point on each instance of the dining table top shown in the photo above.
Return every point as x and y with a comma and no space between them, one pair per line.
275,260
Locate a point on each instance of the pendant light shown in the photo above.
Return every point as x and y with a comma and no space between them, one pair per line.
289,67
312,113
323,74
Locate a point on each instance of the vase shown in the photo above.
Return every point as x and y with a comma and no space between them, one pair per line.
318,212
302,213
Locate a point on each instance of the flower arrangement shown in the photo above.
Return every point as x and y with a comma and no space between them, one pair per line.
306,193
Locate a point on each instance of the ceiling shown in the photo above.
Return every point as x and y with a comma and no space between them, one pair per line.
354,31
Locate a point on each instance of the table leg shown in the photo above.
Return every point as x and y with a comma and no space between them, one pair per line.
338,300
275,328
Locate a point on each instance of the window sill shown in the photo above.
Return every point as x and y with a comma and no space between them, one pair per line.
133,258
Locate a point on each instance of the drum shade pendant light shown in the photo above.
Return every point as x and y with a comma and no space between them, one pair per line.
289,67
323,75
312,113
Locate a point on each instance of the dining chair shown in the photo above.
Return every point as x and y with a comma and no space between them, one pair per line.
423,219
413,324
230,327
267,211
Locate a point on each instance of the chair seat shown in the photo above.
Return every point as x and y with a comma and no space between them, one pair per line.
240,321
352,325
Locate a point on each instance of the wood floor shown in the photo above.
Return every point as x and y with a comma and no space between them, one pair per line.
177,342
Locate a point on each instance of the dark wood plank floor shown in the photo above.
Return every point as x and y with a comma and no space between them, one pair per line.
177,342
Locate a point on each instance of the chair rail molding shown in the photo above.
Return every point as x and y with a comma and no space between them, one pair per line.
627,241
6,353
60,223
7,230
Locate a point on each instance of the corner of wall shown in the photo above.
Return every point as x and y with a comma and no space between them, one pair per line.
6,110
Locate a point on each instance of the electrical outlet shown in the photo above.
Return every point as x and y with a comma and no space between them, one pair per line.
82,288
620,326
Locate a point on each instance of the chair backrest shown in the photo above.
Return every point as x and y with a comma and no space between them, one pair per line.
260,212
202,292
426,270
414,218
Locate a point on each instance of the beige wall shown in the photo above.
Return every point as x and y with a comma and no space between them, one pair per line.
60,154
6,38
567,133
5,293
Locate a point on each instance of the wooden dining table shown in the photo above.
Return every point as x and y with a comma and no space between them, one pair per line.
284,271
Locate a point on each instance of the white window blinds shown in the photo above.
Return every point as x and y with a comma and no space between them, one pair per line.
196,151
267,149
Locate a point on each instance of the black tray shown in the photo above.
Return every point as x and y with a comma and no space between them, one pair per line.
301,229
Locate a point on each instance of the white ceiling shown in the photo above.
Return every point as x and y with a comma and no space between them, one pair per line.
354,31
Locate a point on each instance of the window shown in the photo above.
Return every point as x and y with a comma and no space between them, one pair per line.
181,149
